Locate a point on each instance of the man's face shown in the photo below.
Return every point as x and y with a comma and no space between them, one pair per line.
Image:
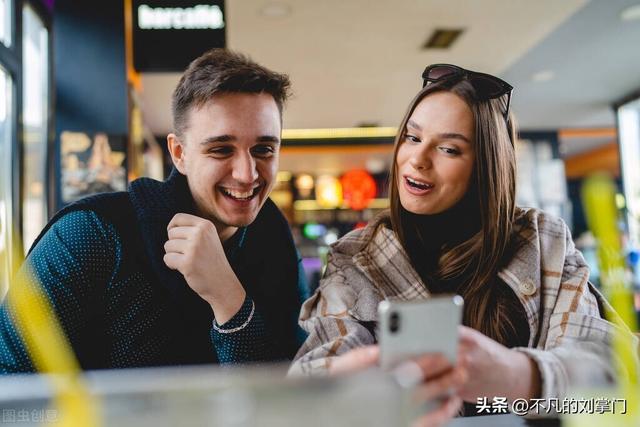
229,153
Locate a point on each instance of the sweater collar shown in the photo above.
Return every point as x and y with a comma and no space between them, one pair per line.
155,203
430,234
377,252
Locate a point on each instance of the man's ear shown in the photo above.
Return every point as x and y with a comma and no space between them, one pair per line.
176,149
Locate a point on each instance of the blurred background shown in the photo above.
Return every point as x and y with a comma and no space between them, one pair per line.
85,95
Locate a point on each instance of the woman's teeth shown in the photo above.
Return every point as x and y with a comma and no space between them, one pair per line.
420,185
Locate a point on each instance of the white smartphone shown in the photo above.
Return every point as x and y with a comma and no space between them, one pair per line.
410,328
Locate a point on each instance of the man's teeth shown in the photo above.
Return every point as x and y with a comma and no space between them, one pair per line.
418,184
239,194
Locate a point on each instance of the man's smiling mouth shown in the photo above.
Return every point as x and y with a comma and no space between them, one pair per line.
240,195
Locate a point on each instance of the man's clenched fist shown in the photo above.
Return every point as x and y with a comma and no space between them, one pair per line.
195,250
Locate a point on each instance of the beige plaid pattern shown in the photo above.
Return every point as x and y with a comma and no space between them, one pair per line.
547,273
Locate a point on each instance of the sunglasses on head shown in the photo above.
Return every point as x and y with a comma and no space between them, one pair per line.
486,85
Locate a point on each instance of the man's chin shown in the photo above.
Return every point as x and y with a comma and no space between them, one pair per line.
240,221
237,217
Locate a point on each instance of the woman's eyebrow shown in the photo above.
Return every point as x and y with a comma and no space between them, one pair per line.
453,135
411,123
445,135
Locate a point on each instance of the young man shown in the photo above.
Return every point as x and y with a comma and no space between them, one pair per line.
200,268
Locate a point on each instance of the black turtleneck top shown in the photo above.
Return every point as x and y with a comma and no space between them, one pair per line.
427,236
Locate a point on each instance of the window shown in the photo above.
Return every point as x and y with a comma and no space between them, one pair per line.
6,121
629,137
5,22
35,118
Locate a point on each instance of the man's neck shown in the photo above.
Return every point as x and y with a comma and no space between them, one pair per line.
225,232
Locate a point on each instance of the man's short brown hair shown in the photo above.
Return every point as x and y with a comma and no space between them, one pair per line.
222,71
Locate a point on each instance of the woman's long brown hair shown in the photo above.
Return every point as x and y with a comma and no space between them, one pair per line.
477,260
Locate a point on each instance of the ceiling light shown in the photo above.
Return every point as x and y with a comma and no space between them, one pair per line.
442,38
631,13
275,10
543,76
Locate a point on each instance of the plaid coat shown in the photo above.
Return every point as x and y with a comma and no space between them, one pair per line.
547,273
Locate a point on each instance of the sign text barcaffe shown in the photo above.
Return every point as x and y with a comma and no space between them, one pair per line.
167,35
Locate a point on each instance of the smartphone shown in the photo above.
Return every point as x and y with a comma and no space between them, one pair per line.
410,328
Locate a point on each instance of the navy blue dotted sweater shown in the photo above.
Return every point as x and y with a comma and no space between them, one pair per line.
100,264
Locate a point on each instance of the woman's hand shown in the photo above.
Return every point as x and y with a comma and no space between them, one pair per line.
355,360
495,369
431,374
439,380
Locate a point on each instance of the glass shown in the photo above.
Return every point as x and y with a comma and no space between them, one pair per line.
6,121
35,43
247,396
629,137
5,22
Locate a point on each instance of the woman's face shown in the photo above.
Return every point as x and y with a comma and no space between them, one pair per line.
436,157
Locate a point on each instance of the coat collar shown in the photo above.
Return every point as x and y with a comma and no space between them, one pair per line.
386,264
155,203
380,256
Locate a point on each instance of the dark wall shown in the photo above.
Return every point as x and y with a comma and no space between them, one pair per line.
550,136
89,69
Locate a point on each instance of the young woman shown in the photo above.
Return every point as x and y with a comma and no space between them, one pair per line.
453,227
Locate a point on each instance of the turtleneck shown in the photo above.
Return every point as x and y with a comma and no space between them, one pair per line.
427,236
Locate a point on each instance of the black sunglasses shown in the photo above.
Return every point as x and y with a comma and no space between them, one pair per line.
486,85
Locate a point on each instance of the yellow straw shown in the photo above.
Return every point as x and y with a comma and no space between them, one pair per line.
50,351
598,195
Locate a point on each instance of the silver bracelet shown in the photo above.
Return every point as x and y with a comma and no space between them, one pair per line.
237,328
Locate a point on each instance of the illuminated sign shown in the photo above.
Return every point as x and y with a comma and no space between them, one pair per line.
169,34
328,191
358,189
199,17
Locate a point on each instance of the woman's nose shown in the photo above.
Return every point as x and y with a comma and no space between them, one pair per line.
420,159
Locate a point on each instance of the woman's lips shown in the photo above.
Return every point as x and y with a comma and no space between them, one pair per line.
417,187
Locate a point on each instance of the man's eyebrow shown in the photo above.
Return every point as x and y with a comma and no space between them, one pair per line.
218,139
268,138
230,138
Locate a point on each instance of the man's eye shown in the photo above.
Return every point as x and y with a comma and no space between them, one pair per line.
264,150
220,151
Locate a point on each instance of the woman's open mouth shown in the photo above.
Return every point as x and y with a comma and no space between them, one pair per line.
417,187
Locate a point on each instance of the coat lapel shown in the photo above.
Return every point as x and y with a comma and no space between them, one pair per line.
386,264
527,269
155,203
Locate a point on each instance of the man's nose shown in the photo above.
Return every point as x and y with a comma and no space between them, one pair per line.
244,169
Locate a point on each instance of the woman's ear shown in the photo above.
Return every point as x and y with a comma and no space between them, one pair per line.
176,149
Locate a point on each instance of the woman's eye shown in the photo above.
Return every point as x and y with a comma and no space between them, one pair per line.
411,138
449,150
